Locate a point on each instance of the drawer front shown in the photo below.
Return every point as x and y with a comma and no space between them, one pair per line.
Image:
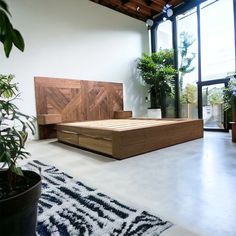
96,144
68,137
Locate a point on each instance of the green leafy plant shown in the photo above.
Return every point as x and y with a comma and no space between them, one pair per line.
189,97
158,73
14,127
215,96
230,93
9,36
189,94
19,189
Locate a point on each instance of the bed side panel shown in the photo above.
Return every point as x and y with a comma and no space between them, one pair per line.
133,142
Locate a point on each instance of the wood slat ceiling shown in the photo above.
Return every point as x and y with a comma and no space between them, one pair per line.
139,9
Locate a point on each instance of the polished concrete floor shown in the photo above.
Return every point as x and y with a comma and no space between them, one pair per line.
191,184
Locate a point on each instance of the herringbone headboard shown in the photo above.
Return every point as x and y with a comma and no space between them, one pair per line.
67,100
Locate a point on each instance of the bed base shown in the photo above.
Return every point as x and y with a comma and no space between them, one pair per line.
130,141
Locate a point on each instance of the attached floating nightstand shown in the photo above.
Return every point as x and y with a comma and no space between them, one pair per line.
122,114
47,125
46,119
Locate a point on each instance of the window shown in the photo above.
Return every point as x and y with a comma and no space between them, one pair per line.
164,41
188,63
164,35
217,39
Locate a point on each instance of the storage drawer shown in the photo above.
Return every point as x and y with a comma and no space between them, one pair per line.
68,137
97,144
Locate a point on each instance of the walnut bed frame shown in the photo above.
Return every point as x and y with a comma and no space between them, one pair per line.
122,138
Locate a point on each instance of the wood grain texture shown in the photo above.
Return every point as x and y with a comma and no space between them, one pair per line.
128,137
46,119
75,100
122,114
68,137
96,144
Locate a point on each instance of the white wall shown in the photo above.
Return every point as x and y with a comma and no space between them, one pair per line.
76,39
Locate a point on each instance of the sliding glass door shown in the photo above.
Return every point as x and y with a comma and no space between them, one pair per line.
212,106
217,39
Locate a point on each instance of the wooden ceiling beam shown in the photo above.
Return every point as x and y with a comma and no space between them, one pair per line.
139,9
124,1
176,2
148,2
117,5
152,9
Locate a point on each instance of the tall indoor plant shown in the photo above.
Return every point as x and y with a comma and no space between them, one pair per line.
230,96
230,102
19,189
158,73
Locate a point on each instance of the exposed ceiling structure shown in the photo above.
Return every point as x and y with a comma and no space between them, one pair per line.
141,9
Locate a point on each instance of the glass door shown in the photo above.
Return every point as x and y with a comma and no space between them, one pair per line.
212,106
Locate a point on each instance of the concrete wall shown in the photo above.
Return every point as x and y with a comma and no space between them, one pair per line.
76,39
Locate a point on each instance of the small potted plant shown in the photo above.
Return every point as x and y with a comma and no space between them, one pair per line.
158,73
230,102
19,189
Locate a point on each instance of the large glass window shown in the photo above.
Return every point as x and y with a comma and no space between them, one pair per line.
217,52
165,41
188,63
217,39
164,35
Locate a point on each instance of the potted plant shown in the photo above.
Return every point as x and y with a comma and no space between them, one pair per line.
230,102
158,73
19,189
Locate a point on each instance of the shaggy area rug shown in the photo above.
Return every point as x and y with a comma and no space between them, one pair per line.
69,207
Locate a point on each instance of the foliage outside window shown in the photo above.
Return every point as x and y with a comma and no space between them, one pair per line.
189,97
215,96
188,94
187,57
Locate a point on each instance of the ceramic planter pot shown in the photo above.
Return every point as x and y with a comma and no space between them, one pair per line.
154,113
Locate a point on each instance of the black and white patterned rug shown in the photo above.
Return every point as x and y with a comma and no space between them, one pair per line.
68,207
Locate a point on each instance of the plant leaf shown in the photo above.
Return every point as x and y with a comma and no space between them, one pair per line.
7,46
18,40
4,6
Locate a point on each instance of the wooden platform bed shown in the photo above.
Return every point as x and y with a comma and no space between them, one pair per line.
122,138
60,103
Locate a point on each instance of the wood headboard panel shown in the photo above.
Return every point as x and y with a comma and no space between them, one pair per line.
67,100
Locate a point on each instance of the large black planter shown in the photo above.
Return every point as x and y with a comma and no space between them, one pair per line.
18,214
